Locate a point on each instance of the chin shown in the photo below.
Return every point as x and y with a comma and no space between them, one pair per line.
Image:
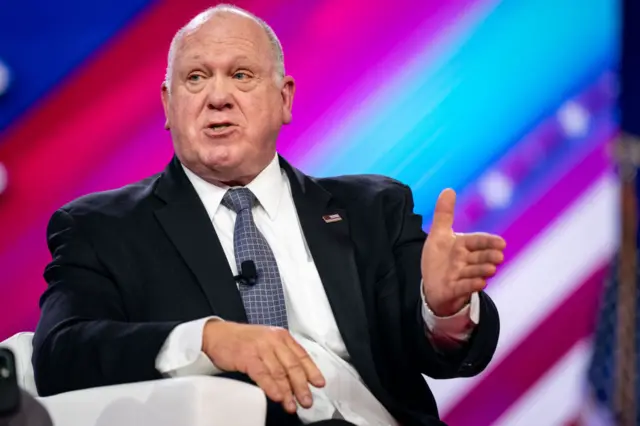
221,156
228,164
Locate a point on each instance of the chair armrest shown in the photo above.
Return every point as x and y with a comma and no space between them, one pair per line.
21,346
187,401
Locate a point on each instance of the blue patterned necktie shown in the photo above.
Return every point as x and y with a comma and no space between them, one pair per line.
263,302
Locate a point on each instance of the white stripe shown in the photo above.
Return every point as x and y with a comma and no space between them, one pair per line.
561,258
557,397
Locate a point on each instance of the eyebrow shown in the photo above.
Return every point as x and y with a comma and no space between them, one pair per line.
240,58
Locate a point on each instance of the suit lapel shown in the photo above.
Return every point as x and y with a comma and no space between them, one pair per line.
189,228
332,250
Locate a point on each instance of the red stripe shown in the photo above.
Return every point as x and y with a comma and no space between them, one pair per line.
572,321
55,145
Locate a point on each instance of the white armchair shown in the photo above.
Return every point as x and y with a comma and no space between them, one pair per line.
189,401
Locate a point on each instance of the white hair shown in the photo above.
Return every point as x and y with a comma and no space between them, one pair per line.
204,16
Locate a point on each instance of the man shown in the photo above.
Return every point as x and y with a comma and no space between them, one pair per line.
323,292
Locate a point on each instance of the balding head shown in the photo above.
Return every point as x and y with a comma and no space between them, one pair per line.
220,10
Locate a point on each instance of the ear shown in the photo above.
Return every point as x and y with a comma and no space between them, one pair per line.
165,104
287,92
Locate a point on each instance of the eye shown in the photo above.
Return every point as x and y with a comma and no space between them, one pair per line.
194,77
241,75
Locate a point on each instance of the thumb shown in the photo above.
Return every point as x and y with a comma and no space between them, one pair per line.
443,214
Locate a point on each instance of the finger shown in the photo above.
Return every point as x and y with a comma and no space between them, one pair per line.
484,270
259,373
279,375
483,241
469,285
313,372
444,211
495,257
296,373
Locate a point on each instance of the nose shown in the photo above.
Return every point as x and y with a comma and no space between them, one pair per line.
219,96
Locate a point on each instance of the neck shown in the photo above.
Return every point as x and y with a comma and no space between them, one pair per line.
238,182
222,179
235,180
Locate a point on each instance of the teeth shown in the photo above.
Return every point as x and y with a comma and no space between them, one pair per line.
219,126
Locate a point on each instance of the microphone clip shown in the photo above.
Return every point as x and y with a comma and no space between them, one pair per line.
248,274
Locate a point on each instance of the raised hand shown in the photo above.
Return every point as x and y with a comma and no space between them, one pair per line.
454,266
269,355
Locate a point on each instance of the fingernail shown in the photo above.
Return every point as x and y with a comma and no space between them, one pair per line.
306,400
292,406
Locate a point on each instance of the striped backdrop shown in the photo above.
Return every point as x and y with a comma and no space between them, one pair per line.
510,102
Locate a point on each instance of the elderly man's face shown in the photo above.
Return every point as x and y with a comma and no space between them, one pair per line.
226,106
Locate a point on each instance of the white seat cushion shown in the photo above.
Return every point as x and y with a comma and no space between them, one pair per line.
187,401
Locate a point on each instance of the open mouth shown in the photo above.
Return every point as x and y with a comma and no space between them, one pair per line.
220,129
220,126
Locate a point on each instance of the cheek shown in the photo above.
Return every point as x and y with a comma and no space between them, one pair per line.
186,109
184,127
183,110
267,112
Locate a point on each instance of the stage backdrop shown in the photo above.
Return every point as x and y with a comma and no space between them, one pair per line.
510,102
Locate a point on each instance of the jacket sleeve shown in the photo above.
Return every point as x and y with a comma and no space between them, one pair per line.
84,338
473,356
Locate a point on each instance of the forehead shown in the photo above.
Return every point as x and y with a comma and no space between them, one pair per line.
224,36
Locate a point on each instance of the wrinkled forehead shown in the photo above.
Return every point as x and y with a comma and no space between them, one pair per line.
224,36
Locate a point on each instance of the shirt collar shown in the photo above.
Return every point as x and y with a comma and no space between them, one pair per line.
267,187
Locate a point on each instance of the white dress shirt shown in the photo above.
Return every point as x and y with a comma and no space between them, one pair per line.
311,321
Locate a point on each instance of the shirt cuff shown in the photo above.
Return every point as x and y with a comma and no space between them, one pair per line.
181,354
457,327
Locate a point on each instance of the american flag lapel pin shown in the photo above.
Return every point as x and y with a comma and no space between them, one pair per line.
330,218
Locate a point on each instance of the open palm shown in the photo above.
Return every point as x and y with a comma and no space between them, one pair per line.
454,266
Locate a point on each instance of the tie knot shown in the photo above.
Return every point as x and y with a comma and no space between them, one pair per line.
238,199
